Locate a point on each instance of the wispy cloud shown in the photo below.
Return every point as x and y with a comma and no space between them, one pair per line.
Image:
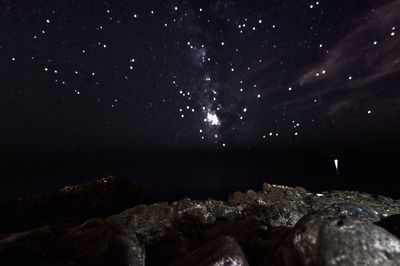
369,52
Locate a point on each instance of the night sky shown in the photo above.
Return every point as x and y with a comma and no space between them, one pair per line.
134,76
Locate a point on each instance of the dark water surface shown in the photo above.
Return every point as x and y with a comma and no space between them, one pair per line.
174,177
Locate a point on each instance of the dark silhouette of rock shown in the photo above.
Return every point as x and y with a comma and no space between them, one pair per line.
391,224
71,205
276,226
96,242
104,242
41,246
258,241
173,246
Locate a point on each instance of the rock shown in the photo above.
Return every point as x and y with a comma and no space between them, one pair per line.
198,210
257,241
102,242
358,211
71,205
329,238
380,206
40,246
300,189
238,196
391,224
147,222
206,212
96,242
274,206
251,194
223,251
241,230
276,226
172,246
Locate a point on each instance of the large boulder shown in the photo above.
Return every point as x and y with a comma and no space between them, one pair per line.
330,238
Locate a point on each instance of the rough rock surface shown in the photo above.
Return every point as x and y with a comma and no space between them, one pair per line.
224,251
71,205
275,226
329,238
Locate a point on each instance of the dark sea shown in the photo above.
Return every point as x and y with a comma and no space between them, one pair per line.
172,177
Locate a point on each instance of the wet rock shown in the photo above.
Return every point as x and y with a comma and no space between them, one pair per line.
329,238
71,205
224,251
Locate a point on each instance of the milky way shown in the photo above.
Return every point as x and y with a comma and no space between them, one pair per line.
220,75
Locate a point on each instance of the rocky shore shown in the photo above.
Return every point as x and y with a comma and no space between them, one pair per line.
105,223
